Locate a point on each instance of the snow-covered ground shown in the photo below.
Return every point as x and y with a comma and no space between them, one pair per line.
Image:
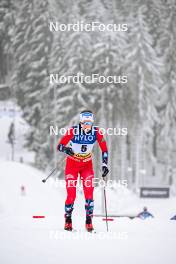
24,239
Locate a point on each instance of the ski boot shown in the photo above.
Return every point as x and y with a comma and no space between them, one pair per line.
68,223
68,215
89,206
89,226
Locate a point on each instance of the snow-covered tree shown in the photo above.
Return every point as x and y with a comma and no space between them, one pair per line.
32,42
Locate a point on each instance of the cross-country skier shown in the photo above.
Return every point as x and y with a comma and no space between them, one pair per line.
81,139
145,214
173,218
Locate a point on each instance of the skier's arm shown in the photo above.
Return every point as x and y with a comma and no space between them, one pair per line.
104,149
61,146
151,215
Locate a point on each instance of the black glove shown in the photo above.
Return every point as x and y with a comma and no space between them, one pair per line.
68,151
104,171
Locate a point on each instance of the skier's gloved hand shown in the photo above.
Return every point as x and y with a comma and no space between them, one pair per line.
69,151
105,157
105,170
66,150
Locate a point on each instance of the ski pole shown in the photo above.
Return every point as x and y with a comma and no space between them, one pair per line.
105,204
53,171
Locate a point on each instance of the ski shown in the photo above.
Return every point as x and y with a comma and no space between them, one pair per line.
92,232
79,231
71,231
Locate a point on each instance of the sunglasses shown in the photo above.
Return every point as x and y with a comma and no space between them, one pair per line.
87,123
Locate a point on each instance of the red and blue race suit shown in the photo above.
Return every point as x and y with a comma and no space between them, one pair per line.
80,163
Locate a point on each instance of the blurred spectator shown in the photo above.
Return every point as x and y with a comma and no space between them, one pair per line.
145,214
23,190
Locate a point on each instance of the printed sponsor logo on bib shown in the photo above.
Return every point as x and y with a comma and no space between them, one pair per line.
84,138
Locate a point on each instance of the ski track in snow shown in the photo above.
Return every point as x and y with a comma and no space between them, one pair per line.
24,240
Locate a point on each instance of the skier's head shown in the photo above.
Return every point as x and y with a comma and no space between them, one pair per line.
145,209
86,119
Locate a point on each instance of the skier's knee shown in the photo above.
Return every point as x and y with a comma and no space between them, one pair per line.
70,199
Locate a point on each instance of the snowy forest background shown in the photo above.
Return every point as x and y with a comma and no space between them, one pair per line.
146,105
